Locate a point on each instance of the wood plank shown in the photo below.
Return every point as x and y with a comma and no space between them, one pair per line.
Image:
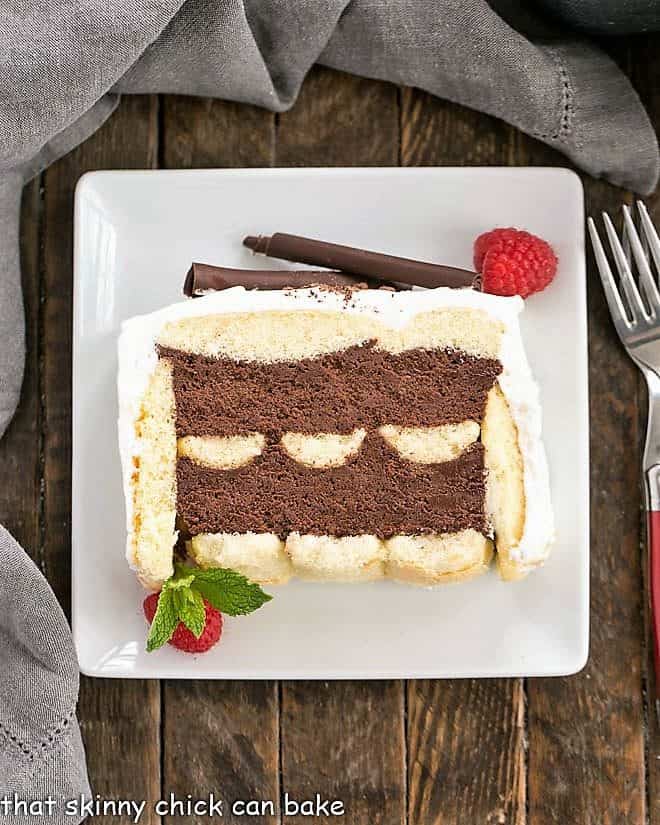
340,120
466,756
644,69
586,747
220,737
201,132
436,132
343,740
120,720
20,504
585,732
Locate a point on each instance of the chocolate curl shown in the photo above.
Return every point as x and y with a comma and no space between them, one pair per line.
359,262
203,278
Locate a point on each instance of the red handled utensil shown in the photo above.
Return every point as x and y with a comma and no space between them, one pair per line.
634,304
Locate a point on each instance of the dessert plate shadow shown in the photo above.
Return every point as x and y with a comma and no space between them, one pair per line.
136,233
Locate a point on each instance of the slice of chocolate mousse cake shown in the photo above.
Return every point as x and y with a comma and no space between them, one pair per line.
333,434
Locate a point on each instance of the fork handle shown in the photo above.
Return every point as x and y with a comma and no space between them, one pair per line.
653,489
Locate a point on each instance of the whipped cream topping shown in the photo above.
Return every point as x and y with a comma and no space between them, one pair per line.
138,358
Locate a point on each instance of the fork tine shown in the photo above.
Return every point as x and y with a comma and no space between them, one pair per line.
643,237
650,234
617,310
625,243
645,275
633,297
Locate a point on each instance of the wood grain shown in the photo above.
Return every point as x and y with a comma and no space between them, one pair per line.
340,120
343,740
644,69
220,737
199,132
120,720
20,495
439,133
466,751
466,757
586,737
586,757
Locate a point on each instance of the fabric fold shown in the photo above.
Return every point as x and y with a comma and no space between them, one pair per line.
41,751
61,71
61,75
55,64
560,90
12,321
608,132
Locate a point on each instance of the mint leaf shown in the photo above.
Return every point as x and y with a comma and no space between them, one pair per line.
182,600
183,577
229,591
191,610
164,623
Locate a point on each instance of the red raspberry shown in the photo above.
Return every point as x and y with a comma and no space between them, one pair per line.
150,605
184,639
513,262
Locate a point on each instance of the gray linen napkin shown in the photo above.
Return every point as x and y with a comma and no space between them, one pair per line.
63,64
41,752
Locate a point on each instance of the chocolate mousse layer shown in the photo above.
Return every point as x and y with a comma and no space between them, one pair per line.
357,387
375,492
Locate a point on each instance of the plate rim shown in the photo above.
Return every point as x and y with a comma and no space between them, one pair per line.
579,656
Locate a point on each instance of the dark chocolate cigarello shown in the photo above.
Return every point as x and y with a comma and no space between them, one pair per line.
359,262
203,278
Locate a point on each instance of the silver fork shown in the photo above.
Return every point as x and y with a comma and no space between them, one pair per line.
637,322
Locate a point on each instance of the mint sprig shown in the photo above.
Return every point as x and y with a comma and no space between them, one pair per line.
164,622
190,609
229,591
182,600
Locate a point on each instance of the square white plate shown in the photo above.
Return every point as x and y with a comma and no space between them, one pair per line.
135,236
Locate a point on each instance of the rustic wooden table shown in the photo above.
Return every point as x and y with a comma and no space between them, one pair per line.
584,749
